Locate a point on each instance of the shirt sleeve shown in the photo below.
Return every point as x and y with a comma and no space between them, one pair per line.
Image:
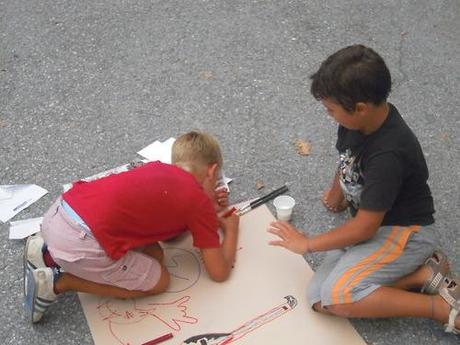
203,225
383,176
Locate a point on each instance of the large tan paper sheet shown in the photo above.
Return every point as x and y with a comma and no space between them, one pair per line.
263,302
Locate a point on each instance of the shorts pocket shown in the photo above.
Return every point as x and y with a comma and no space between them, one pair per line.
126,273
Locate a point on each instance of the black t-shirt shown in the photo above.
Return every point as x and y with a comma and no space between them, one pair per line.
386,171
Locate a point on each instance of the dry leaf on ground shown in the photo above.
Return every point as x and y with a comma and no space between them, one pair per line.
260,184
207,75
302,147
446,137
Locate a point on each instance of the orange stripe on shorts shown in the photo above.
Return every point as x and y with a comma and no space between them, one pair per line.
395,253
337,290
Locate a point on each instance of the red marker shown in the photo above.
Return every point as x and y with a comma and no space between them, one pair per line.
229,212
159,339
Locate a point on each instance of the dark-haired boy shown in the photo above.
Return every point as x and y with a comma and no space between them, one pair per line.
388,247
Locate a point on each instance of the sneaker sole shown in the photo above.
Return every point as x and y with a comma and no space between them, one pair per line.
27,265
33,303
24,265
30,294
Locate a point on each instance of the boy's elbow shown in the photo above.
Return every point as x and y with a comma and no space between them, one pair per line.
368,222
367,233
219,279
220,275
218,266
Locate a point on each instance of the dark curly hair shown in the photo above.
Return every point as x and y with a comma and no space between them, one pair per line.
351,75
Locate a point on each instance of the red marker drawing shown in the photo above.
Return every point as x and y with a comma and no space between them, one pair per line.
251,325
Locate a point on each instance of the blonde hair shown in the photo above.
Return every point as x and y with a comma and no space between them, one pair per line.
196,150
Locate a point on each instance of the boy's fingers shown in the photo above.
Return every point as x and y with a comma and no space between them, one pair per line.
280,224
285,227
284,234
276,232
273,230
276,243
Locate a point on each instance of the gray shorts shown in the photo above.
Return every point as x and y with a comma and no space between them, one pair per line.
348,275
79,253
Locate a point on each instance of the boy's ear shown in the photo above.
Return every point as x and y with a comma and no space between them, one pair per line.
361,108
212,170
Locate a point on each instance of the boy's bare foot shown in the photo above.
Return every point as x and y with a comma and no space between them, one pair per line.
334,201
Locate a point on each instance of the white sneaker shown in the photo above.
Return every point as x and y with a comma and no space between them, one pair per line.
33,255
40,291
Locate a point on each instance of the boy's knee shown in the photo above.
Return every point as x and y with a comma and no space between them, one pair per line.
316,307
343,310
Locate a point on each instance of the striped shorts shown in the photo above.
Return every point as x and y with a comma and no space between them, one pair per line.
350,274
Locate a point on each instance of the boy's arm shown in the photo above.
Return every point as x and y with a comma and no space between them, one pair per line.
358,229
219,261
333,198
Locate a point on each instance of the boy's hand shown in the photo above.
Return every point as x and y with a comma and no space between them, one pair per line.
333,198
334,201
221,198
229,223
219,261
290,238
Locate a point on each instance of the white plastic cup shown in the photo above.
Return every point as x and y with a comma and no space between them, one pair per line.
284,205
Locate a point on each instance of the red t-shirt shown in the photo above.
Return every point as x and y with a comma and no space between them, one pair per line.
145,205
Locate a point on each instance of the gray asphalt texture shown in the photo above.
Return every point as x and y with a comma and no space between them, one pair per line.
86,84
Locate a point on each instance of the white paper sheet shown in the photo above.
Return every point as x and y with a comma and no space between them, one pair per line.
263,302
5,193
112,171
23,228
21,197
158,151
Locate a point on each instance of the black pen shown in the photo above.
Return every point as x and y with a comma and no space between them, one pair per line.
262,200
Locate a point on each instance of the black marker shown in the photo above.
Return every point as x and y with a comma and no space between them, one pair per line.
262,200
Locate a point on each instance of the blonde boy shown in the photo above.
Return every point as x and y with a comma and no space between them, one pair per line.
102,237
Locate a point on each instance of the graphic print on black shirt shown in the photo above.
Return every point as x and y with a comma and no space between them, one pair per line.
350,178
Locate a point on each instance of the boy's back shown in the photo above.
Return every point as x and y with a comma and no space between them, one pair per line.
148,204
386,171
